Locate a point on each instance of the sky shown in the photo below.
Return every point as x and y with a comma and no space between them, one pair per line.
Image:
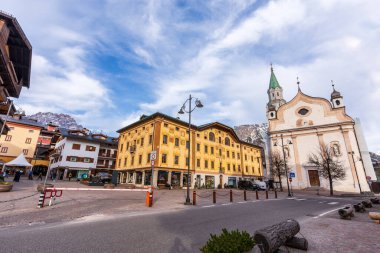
107,62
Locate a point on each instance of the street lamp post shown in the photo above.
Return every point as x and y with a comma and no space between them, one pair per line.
286,168
189,111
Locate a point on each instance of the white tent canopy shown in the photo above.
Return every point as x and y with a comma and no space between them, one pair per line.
19,161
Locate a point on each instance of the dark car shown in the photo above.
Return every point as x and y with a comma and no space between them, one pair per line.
248,185
104,177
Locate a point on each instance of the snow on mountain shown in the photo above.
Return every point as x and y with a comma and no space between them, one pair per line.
59,119
254,133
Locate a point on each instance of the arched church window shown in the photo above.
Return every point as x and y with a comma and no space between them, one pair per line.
337,102
278,94
211,136
272,114
227,141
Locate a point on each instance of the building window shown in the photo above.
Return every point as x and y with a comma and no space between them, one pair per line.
142,142
198,147
246,168
125,162
176,142
228,153
176,158
233,167
86,160
251,158
206,164
165,124
220,152
198,163
165,139
212,165
239,168
8,138
73,158
206,149
150,139
233,155
212,150
76,146
245,157
25,151
132,160
227,141
229,167
163,158
31,131
177,128
211,136
119,162
90,148
28,140
4,150
140,159
220,139
238,155
148,158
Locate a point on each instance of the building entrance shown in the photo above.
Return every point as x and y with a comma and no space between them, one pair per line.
313,178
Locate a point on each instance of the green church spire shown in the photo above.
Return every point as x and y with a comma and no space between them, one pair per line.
273,83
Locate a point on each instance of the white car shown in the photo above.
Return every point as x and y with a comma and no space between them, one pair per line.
261,184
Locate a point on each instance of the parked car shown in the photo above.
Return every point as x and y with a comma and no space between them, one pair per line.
248,185
104,177
262,185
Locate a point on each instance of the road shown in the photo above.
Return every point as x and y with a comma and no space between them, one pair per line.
161,231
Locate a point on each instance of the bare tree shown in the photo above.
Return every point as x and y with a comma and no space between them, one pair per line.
277,168
328,164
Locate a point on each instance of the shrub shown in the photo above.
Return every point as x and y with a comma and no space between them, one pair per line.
229,242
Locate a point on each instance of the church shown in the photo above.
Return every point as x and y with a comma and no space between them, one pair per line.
303,125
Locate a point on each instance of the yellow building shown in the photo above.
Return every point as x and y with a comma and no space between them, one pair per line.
218,157
21,138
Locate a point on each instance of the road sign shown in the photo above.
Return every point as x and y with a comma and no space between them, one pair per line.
153,155
152,162
292,174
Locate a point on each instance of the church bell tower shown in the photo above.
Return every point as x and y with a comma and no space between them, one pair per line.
275,96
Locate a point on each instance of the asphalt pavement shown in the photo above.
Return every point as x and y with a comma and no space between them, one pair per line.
160,230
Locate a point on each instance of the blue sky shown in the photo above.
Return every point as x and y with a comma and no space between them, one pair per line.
107,62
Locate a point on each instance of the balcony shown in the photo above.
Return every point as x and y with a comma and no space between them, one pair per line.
105,155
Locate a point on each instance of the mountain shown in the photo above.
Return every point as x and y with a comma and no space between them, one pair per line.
61,120
374,157
254,133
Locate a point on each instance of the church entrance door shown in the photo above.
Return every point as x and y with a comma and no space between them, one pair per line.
314,178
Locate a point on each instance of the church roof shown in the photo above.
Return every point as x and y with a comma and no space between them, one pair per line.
273,83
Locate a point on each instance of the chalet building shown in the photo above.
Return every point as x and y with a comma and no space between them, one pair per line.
47,139
15,63
77,152
217,156
21,138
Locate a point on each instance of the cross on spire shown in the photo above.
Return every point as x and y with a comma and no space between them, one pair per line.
298,83
332,84
271,67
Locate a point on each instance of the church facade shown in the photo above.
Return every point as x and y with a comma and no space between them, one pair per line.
303,125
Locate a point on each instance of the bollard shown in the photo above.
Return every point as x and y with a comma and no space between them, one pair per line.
41,200
194,198
149,198
275,194
231,196
245,195
214,196
266,194
257,194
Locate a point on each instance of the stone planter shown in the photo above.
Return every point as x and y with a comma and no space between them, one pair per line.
6,186
109,186
40,187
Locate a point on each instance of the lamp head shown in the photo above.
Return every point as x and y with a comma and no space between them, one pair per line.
181,111
198,103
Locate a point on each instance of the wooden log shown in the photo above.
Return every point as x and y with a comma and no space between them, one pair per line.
374,215
359,208
271,238
375,201
367,203
297,243
346,212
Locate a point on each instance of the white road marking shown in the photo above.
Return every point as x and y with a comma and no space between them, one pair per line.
208,206
299,199
333,203
242,202
322,214
226,204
